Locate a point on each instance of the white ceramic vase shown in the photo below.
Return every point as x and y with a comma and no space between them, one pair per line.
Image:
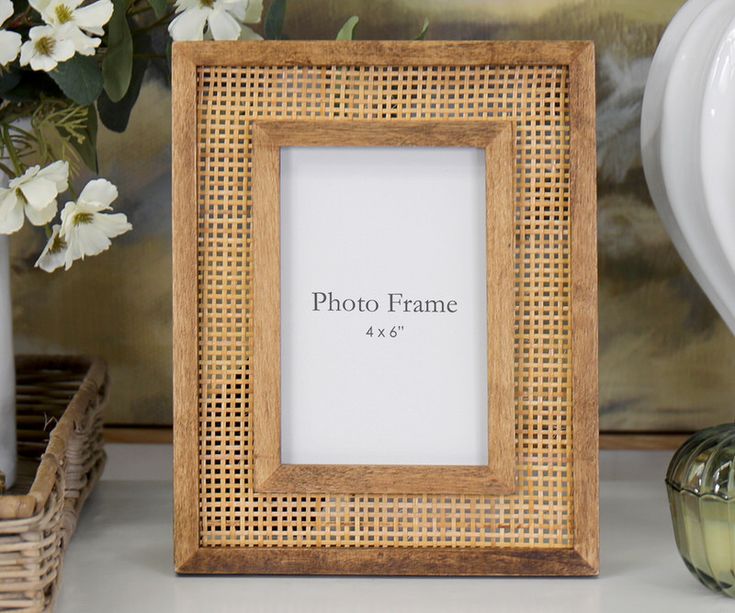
7,369
688,143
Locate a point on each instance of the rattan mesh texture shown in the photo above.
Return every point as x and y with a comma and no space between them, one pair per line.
535,98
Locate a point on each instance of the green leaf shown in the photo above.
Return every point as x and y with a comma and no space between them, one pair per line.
274,20
9,80
116,115
347,31
31,85
117,67
80,79
160,7
87,149
424,29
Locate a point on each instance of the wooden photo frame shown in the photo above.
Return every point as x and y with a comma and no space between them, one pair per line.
532,509
271,476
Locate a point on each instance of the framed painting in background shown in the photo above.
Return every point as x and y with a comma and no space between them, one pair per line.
666,358
250,496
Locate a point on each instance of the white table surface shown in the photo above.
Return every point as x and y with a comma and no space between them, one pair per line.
121,558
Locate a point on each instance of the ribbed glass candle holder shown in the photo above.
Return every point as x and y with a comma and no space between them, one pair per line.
701,485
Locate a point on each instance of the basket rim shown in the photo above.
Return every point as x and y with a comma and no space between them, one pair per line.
24,506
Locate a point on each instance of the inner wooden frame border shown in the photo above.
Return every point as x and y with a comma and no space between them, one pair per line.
581,557
497,477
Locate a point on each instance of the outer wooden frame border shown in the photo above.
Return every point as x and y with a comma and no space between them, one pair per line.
582,558
271,476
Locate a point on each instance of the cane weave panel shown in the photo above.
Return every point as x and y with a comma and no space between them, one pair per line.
536,98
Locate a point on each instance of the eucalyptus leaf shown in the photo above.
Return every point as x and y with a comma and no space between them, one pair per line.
160,7
424,30
9,80
117,67
29,85
347,31
274,20
116,115
79,78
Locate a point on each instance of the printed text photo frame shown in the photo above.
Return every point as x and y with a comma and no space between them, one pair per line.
533,509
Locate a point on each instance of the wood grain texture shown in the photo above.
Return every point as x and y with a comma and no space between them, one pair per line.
381,53
499,169
398,480
550,524
440,562
643,441
495,138
585,417
185,324
266,305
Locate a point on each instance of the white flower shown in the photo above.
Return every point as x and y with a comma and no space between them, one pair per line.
82,20
85,228
33,193
53,255
224,19
9,41
47,47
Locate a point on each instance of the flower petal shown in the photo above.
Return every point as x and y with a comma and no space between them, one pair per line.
93,16
54,253
9,46
223,25
39,192
248,34
42,63
11,212
236,8
189,25
6,10
66,215
58,172
83,44
91,240
97,195
73,248
26,176
41,216
64,50
39,5
112,224
254,12
26,53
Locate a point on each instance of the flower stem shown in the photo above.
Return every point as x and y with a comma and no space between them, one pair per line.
12,152
8,172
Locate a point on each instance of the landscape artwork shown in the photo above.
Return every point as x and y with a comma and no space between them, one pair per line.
666,358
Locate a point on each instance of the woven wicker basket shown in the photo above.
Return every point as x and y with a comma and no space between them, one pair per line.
60,458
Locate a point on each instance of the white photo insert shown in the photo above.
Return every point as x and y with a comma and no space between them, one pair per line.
383,306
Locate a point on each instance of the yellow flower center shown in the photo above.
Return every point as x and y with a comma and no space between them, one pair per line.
45,45
82,218
63,14
58,245
207,4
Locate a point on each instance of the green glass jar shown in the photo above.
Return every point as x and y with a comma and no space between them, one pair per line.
701,485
